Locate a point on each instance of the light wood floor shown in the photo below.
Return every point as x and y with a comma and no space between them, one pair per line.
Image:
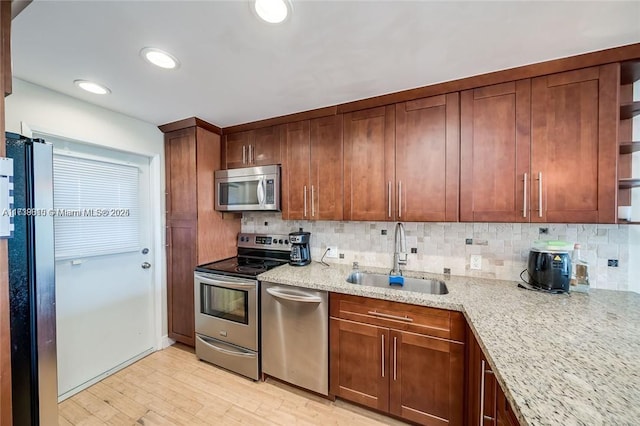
172,387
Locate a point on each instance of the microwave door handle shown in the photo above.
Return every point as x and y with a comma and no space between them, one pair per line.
261,191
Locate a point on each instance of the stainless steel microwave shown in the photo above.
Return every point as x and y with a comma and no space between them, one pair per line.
248,189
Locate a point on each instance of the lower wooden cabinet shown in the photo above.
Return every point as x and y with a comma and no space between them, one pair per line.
382,363
486,402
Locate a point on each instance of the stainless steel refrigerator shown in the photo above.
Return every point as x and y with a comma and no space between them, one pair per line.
32,284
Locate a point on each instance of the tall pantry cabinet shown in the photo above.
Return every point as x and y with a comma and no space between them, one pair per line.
195,232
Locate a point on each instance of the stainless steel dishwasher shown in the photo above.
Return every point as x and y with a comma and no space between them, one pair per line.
295,336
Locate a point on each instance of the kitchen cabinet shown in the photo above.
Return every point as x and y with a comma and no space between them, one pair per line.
402,359
312,172
258,147
195,232
369,164
574,149
541,150
427,159
494,158
486,402
629,74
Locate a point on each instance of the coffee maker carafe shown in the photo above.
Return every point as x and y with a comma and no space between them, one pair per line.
300,252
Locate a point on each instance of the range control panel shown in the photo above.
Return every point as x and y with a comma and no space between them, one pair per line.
264,241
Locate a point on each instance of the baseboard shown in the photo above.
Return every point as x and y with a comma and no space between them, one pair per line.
165,342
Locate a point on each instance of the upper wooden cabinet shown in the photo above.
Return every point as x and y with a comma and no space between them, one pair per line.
427,158
574,149
312,172
369,164
541,150
494,158
258,147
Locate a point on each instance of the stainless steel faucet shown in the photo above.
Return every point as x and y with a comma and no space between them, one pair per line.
400,250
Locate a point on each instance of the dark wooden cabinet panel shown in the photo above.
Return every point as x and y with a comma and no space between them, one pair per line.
258,147
427,159
236,149
495,141
181,261
504,413
574,146
375,353
426,379
359,353
369,159
326,168
296,172
196,233
180,159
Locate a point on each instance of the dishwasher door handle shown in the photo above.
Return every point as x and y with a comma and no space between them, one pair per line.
286,295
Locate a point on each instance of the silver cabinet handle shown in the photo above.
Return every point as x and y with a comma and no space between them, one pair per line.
250,156
399,199
539,194
305,200
313,204
293,296
382,355
389,190
210,344
388,316
395,357
244,154
482,364
524,199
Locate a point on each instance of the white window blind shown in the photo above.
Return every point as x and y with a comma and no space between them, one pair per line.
96,207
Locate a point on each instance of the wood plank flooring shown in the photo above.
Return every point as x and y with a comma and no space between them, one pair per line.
172,387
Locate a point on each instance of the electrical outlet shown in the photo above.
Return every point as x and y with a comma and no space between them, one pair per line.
468,241
476,261
414,250
543,231
333,252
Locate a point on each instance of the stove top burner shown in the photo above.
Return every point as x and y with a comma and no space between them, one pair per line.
240,266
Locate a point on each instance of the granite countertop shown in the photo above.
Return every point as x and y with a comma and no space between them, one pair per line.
571,359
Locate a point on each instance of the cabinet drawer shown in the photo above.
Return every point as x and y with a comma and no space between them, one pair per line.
399,316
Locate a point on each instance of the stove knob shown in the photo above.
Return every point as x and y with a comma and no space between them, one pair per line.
279,241
286,241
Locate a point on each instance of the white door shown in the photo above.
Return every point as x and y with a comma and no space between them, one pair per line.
104,302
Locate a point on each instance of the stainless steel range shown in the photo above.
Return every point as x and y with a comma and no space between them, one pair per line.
226,303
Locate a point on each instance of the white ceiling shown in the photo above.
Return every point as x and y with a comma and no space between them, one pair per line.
236,69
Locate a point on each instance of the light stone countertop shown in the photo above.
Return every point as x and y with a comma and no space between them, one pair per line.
560,359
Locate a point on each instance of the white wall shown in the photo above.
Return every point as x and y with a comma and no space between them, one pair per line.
46,111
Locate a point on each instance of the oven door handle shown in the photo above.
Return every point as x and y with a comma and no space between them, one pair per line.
277,292
227,284
210,344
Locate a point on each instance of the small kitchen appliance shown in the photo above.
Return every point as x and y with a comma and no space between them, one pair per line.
549,269
300,251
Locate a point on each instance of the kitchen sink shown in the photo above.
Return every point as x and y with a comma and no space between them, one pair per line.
418,285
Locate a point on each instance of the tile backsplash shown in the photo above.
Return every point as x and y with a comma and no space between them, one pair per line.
504,247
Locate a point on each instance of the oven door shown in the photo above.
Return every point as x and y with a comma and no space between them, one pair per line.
250,189
227,309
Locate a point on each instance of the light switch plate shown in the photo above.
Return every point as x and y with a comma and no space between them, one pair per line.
476,261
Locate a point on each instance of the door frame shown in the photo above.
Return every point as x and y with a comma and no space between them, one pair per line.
156,173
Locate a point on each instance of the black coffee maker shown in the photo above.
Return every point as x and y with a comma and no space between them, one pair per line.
300,252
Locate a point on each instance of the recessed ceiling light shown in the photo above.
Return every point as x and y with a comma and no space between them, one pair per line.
159,58
92,87
272,11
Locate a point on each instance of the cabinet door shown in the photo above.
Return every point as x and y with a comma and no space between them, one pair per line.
295,171
574,149
237,149
369,160
504,413
359,355
426,379
326,168
180,165
427,159
494,153
181,261
265,149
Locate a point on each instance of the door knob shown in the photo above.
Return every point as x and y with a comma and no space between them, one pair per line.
146,265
